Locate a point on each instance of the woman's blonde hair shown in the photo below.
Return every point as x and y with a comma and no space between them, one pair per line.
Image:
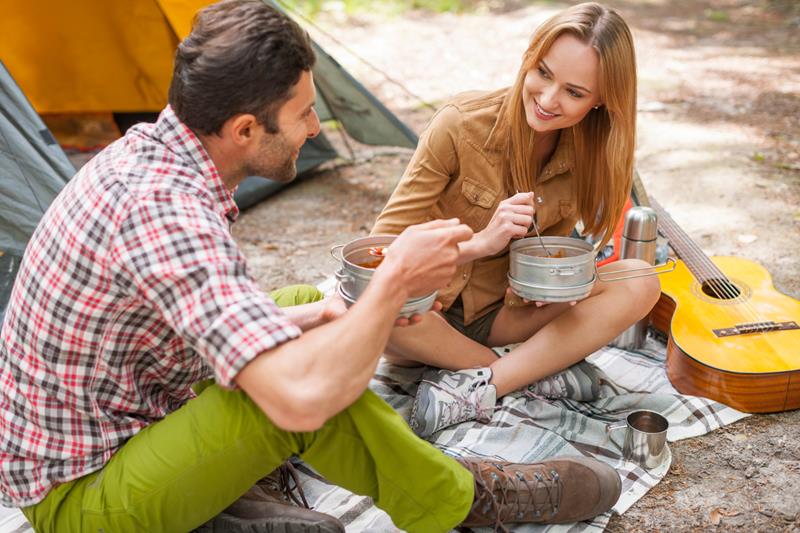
605,138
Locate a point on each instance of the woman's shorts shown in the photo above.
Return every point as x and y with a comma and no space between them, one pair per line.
477,330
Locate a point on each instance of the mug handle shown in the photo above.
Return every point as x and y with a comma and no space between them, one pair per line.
619,424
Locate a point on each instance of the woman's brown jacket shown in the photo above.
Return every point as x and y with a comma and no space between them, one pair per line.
461,169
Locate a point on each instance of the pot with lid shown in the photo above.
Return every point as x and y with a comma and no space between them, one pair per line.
567,275
357,267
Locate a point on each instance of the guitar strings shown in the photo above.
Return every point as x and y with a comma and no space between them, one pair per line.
706,271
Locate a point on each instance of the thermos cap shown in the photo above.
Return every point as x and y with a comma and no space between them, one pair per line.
641,224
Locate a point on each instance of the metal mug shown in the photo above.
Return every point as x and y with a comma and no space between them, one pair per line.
645,438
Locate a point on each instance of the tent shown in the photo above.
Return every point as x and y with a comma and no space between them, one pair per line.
33,169
92,56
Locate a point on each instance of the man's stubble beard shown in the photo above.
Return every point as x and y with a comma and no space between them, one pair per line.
275,160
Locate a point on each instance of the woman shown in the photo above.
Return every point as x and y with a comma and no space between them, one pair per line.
557,145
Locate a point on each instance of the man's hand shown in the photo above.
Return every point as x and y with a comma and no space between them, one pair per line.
402,322
512,220
423,257
335,307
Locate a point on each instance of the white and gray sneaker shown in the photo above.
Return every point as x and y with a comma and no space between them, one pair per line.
445,398
580,382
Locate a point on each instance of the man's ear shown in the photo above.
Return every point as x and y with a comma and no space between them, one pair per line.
240,129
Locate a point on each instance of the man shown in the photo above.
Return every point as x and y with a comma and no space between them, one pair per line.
132,290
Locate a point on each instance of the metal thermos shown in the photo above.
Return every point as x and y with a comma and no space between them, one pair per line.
638,241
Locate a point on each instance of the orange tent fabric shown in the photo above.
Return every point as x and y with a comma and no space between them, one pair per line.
94,56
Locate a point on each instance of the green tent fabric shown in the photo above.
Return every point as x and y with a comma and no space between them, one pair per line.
33,169
339,97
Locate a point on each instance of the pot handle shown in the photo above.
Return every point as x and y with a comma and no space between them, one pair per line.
338,247
342,276
670,264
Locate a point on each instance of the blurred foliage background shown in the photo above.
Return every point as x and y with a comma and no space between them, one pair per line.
312,8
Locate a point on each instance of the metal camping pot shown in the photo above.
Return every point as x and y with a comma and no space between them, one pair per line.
353,277
568,274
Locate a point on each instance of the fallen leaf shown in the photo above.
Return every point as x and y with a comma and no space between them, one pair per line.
715,516
725,512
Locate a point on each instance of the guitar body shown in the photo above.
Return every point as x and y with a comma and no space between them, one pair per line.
752,370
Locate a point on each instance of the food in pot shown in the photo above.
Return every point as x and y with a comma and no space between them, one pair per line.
373,263
542,253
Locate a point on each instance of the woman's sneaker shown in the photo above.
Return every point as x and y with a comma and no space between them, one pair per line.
580,382
445,398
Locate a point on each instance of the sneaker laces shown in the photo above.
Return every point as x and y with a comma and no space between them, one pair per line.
555,385
503,506
464,403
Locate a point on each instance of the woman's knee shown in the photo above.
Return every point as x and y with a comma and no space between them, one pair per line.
642,292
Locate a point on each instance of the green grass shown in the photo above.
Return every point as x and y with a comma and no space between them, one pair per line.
312,8
717,15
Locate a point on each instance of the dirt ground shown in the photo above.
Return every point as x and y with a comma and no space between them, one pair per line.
718,146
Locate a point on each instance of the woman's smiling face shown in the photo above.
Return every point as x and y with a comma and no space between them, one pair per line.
563,87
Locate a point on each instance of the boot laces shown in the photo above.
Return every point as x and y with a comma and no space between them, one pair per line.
286,481
510,494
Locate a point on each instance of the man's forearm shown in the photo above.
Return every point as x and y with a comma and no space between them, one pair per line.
304,382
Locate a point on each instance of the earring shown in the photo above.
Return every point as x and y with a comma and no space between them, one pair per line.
596,107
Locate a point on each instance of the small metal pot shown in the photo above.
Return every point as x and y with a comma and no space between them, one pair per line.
413,306
567,275
354,278
572,263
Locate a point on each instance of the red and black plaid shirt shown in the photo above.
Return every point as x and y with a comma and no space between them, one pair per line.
131,290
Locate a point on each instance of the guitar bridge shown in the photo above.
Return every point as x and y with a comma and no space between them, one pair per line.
755,327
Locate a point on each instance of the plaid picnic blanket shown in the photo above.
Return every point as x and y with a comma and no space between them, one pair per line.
529,430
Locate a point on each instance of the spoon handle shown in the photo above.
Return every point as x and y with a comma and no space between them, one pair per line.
541,242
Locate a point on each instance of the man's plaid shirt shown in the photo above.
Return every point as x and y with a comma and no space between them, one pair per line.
131,290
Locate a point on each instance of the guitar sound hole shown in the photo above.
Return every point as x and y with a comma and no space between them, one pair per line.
722,289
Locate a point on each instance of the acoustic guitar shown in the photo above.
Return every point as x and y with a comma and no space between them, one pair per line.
732,336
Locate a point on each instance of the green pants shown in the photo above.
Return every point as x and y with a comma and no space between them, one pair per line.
183,470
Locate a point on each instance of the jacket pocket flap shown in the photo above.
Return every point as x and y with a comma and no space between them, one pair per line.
477,194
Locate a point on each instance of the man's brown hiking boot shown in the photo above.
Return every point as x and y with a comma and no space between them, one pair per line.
562,490
276,504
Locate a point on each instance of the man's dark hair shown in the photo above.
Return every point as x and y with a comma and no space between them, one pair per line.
242,56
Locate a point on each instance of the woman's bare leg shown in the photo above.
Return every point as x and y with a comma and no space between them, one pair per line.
557,336
435,342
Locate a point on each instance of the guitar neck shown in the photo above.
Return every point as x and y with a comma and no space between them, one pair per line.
695,259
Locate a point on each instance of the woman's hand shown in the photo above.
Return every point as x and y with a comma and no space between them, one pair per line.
512,220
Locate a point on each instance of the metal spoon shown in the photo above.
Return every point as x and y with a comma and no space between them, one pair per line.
541,242
536,228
